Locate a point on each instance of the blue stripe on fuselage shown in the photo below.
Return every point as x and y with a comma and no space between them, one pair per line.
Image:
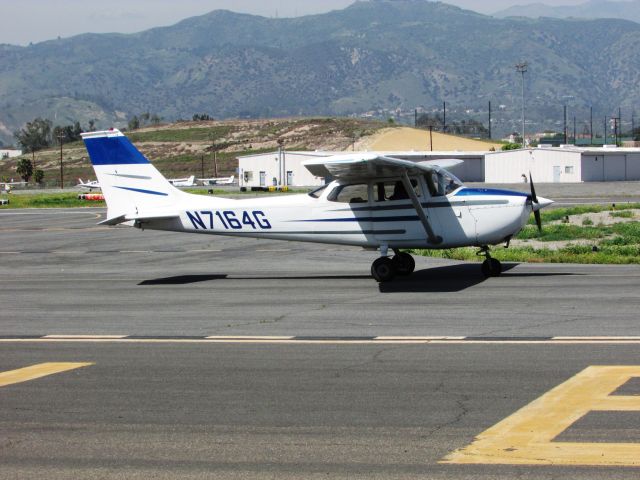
113,151
472,192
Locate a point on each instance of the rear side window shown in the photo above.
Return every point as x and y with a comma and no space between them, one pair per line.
353,193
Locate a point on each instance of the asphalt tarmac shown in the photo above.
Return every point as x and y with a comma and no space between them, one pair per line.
214,357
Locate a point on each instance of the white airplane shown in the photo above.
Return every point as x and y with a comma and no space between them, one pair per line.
90,184
6,186
376,202
218,180
183,182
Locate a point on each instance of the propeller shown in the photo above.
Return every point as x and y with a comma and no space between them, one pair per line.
534,199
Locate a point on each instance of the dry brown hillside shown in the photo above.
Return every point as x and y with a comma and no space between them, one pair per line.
181,149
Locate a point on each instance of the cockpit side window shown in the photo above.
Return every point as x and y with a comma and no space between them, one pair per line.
394,190
352,193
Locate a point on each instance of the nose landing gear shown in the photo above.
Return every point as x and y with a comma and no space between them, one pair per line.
490,267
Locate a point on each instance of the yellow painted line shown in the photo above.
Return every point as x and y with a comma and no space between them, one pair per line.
37,371
527,436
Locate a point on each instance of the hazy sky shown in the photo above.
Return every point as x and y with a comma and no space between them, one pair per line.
24,21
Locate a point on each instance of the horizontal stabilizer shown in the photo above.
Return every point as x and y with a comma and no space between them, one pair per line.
131,218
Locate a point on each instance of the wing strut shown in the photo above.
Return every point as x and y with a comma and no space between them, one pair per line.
433,238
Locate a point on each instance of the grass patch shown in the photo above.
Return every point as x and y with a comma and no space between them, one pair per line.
182,134
48,200
618,243
623,214
570,254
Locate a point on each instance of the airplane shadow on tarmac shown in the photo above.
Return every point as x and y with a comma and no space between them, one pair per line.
449,278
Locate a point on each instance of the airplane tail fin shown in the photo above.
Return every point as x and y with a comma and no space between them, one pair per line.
131,185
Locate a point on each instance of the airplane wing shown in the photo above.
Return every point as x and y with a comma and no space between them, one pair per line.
367,166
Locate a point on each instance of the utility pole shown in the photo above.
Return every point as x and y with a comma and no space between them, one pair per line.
574,129
444,116
431,137
202,165
489,119
591,123
415,118
60,137
605,131
215,153
565,124
522,69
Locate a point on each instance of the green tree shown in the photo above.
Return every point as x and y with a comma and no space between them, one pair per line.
134,123
24,169
511,146
35,136
38,176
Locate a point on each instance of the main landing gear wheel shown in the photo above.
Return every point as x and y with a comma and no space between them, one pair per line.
404,263
383,269
491,268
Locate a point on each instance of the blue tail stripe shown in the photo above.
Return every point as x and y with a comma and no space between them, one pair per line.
113,151
140,190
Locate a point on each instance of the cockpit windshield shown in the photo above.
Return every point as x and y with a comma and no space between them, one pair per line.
442,182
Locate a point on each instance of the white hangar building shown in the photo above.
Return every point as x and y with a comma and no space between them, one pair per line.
285,168
566,164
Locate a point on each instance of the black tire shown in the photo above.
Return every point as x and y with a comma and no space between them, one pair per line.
491,268
383,269
404,263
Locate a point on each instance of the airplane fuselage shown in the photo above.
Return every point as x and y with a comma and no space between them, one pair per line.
464,217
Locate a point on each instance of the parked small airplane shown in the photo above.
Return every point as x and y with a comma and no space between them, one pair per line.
217,181
90,184
183,182
377,202
6,186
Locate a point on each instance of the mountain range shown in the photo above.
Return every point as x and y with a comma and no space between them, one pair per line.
627,10
379,55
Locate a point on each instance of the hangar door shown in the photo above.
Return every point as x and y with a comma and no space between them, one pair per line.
592,168
614,168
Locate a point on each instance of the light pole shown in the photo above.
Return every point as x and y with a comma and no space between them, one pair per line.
522,68
61,137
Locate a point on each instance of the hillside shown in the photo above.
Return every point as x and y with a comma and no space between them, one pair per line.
179,149
370,56
626,10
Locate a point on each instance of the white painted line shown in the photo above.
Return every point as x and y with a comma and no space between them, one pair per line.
598,338
312,341
419,338
98,337
247,337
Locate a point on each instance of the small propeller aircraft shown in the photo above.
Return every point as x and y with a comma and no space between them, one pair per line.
183,182
375,201
217,180
6,186
90,184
